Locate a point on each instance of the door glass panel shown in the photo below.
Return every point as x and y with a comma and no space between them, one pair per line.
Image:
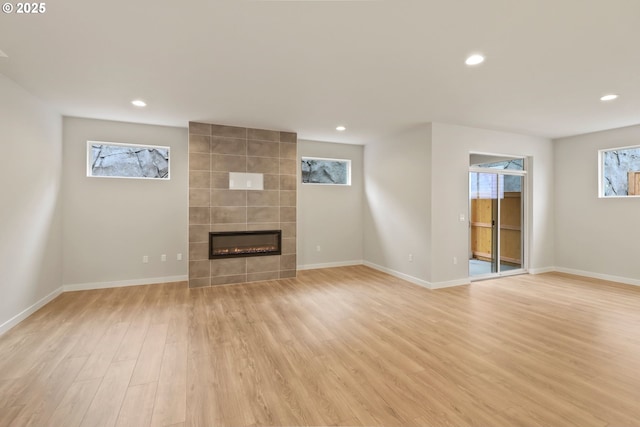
511,223
483,208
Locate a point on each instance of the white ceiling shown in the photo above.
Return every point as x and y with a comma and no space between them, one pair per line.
308,66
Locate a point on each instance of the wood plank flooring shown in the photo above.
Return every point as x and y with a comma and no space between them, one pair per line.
345,346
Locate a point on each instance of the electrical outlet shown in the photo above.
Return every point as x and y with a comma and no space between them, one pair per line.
179,257
163,257
410,257
145,259
455,259
318,248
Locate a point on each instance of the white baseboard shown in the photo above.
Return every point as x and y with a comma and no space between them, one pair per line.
601,276
450,283
122,283
399,275
542,270
29,311
330,265
415,280
81,287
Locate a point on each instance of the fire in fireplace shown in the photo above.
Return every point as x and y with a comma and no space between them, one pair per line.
230,244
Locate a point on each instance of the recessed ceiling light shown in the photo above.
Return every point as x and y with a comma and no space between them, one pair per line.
341,128
609,97
139,103
474,60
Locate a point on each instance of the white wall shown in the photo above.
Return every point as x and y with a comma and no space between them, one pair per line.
450,195
416,187
397,216
110,223
596,237
30,212
330,216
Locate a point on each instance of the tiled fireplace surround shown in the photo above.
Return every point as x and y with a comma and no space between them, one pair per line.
216,150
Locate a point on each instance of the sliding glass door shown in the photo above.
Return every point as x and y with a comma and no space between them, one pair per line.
496,226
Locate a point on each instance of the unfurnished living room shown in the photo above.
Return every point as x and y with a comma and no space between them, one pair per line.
320,212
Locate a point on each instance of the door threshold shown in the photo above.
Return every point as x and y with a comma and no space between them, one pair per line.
497,275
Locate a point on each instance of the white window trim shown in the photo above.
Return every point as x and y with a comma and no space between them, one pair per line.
347,161
497,171
89,168
601,172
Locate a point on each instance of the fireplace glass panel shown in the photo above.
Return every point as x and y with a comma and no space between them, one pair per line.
244,244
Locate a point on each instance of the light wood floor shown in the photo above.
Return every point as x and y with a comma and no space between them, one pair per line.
344,346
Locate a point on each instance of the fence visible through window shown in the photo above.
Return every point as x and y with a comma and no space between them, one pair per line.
619,172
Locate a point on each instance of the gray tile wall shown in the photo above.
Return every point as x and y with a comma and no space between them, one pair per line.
216,150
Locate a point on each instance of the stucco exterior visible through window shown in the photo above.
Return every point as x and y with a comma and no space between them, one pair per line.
326,171
115,160
620,172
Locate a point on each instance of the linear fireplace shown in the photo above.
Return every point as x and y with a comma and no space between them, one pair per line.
233,244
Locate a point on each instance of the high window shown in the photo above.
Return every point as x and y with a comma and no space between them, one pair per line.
115,160
326,171
619,172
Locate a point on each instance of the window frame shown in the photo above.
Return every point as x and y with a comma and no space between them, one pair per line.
124,144
347,161
601,152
